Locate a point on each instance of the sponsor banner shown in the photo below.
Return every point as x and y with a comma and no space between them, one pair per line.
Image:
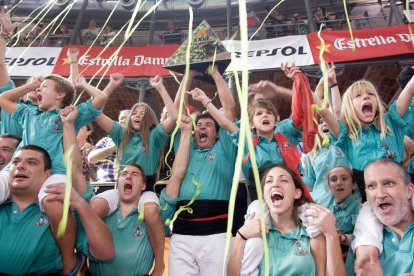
130,61
33,61
369,43
270,53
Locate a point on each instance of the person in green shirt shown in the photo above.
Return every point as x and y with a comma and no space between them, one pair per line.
389,191
28,245
291,250
347,202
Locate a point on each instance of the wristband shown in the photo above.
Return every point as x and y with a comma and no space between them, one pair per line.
333,85
243,237
209,102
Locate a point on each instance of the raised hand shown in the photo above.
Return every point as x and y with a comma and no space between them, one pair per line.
186,124
157,82
252,227
73,54
116,80
69,114
198,94
290,71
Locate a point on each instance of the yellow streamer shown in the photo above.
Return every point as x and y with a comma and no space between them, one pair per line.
187,207
348,22
264,20
67,156
184,81
51,23
244,134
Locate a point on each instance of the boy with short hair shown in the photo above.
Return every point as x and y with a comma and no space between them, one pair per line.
42,126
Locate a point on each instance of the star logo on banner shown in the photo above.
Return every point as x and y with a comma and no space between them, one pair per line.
326,47
65,61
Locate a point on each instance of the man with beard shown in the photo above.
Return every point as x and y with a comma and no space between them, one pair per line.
389,191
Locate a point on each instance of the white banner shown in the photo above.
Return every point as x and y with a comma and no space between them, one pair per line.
32,61
270,53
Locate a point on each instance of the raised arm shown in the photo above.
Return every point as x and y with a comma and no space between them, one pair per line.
180,164
334,91
169,123
99,98
226,98
184,87
68,116
406,97
199,95
270,90
105,123
115,81
331,121
8,99
73,63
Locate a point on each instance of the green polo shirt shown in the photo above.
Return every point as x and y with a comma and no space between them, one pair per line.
346,213
267,151
134,151
44,129
133,252
316,173
397,256
370,147
212,168
289,253
7,125
27,243
409,117
168,206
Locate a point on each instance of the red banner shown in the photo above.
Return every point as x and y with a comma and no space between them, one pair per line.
369,43
130,61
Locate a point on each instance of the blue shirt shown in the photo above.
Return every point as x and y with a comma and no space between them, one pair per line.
289,253
369,146
212,168
7,125
317,170
397,256
133,252
134,151
44,129
267,151
346,213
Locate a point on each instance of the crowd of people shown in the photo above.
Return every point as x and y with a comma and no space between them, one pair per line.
335,196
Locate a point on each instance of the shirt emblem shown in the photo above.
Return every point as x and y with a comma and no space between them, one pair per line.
300,249
42,221
139,233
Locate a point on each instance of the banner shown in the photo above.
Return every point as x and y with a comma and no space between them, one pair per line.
270,53
263,54
130,61
33,61
369,43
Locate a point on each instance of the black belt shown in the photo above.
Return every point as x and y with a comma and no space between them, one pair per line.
209,217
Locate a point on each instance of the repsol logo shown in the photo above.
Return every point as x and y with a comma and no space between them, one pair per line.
30,61
285,51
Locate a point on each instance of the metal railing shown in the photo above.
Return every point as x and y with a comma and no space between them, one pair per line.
141,38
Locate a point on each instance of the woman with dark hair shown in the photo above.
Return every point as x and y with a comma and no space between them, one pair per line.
291,250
